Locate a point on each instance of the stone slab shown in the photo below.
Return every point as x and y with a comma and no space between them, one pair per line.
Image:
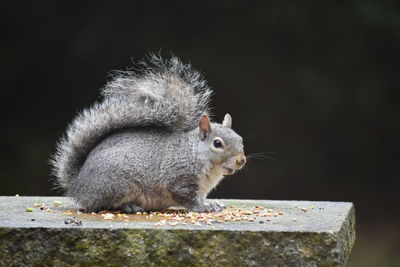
309,233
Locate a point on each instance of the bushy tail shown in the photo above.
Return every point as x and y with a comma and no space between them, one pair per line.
162,93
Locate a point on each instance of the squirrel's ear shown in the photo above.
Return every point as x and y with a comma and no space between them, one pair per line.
205,127
227,121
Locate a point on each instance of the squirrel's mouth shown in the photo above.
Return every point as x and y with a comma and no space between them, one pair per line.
227,171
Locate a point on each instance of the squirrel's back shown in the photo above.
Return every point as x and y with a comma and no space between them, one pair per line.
165,94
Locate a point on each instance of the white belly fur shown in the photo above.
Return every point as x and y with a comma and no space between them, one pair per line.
209,181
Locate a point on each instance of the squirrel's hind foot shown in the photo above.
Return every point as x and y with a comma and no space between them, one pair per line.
131,208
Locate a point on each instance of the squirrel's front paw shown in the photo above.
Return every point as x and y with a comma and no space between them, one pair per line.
209,207
217,206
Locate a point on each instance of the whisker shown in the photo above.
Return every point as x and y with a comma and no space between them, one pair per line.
261,155
249,135
249,163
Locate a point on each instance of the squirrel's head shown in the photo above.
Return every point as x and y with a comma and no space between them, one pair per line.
221,145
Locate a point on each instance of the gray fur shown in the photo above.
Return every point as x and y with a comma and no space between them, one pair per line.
139,148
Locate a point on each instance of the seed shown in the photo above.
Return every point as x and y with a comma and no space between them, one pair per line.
108,216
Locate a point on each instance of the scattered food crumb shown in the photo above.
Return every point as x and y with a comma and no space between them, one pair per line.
231,214
304,209
174,217
32,220
107,216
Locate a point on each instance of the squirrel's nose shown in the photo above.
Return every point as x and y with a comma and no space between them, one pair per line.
240,161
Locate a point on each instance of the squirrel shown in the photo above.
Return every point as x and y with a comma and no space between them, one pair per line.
149,144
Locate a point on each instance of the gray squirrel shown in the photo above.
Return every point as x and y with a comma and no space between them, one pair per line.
149,144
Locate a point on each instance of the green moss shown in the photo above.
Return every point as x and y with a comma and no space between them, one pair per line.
88,247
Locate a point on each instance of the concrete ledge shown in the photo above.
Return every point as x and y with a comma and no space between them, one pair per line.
305,234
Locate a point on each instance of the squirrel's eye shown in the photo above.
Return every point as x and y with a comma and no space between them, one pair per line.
217,143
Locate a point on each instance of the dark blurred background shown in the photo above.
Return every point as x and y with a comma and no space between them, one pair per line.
315,83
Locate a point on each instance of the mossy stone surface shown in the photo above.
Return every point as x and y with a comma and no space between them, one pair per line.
321,236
